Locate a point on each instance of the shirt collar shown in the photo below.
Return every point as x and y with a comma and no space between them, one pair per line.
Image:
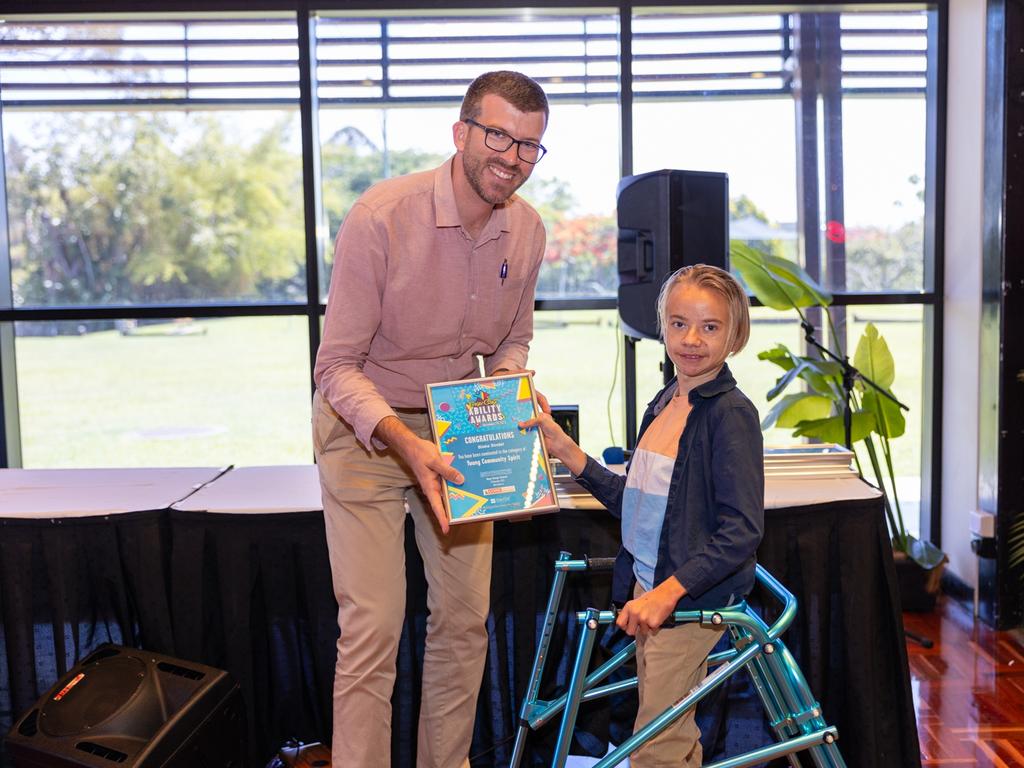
723,382
446,213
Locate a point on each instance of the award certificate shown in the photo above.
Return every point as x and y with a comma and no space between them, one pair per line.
506,470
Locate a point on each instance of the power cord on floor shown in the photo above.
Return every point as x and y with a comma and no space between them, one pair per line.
491,748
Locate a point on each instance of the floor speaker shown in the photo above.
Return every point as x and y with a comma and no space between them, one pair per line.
133,709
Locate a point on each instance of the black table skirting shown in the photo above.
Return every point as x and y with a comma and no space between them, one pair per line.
251,594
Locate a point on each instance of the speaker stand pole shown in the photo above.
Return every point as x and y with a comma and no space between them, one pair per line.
629,377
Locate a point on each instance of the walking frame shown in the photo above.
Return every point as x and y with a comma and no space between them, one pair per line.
795,717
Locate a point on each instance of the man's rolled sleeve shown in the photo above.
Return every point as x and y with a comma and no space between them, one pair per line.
351,321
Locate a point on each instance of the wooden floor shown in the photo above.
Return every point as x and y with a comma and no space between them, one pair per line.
968,689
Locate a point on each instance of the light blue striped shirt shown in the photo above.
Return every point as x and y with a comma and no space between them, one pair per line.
643,511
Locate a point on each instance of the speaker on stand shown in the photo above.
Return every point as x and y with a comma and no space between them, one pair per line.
134,709
667,220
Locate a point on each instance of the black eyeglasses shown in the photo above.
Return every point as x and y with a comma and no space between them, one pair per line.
499,141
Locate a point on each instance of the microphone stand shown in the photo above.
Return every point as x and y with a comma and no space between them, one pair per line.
850,375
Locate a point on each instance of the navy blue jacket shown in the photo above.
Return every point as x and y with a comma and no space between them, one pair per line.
714,516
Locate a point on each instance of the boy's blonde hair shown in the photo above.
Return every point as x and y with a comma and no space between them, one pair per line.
722,283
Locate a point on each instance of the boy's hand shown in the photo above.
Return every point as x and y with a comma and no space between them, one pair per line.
645,614
559,444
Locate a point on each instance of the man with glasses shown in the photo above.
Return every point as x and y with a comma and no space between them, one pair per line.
434,272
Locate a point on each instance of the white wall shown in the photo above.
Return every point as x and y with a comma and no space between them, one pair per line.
965,116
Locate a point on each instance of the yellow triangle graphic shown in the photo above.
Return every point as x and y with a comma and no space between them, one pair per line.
524,389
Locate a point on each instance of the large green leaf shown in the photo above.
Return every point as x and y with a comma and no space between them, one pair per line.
874,359
780,355
831,430
796,408
785,380
777,283
924,553
824,377
889,421
795,274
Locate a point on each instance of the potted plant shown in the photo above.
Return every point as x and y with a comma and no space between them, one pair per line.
862,410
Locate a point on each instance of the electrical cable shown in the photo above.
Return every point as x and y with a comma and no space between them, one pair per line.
491,748
615,378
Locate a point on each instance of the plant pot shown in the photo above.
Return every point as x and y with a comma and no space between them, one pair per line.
918,586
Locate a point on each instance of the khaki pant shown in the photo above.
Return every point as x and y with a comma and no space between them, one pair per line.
365,495
669,663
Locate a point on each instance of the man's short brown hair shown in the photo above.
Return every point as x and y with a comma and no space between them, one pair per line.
517,89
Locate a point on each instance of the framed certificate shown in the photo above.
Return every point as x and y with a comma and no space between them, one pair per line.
506,469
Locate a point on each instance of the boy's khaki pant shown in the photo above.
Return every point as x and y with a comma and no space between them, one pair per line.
365,496
669,663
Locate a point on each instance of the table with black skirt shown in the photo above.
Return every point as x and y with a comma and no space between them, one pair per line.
83,561
236,576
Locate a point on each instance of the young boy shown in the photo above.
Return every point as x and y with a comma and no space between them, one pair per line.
691,503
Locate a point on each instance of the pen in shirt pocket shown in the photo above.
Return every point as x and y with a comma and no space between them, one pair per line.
503,273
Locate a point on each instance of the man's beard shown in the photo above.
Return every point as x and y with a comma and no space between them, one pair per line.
475,168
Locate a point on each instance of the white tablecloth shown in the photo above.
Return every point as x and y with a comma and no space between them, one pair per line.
254,490
42,493
49,493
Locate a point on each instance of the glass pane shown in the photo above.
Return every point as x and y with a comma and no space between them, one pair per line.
171,393
151,58
430,59
135,208
575,356
883,178
688,53
359,147
751,140
902,328
854,163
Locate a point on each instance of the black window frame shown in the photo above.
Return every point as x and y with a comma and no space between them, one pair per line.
305,14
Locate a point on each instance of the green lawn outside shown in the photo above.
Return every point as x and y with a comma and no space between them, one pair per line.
238,390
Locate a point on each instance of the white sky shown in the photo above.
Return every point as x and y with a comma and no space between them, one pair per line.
752,140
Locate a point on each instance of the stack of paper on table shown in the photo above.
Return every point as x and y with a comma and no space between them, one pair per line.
808,460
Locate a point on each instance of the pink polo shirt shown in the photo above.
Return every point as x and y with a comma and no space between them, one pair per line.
415,300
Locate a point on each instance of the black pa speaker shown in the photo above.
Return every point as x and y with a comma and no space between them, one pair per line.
133,709
667,220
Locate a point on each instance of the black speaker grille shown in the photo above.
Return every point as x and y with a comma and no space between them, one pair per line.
175,669
92,696
30,725
100,751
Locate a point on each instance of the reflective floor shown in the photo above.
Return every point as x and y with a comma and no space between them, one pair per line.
968,690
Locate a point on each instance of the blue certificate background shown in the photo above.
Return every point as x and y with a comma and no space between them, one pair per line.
504,466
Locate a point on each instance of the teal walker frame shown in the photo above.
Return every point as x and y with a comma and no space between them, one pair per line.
795,717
